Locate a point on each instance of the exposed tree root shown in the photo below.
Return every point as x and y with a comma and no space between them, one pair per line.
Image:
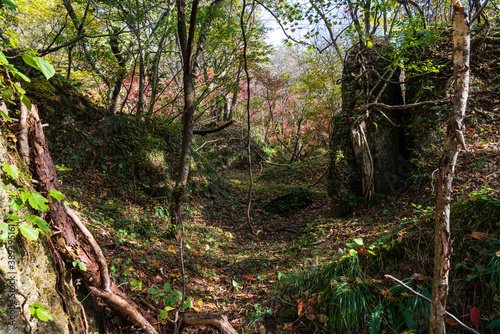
65,240
217,320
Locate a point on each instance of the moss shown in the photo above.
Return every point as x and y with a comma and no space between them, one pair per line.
3,286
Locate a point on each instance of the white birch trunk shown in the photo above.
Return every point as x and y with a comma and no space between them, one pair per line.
447,162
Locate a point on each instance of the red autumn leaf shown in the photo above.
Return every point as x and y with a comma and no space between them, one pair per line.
474,316
248,277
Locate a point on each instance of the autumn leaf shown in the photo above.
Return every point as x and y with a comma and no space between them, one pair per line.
474,316
451,322
299,307
479,235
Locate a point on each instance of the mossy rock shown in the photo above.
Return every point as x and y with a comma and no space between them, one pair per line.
297,199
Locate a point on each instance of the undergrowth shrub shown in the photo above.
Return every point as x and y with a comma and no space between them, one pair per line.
356,303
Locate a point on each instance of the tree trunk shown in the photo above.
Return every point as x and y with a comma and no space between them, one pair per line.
115,95
447,162
190,67
189,80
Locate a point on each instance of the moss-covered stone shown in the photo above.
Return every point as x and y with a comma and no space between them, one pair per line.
38,279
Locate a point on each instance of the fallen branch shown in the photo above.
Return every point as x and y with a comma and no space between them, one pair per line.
120,305
384,106
428,300
206,132
217,320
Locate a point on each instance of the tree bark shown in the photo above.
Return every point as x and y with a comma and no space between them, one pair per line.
190,67
122,64
217,320
447,162
65,239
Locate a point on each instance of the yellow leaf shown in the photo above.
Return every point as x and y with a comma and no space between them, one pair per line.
299,307
171,249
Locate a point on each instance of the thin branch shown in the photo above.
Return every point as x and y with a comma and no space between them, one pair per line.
76,39
207,142
476,15
428,300
220,128
384,106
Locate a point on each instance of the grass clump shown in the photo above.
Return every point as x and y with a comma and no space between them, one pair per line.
352,302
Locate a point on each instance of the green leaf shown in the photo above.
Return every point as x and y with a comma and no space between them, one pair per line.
30,60
80,265
7,93
164,313
16,204
25,195
40,312
29,232
19,89
3,59
38,221
170,300
14,42
46,68
166,287
26,101
177,294
6,117
22,76
359,241
38,202
137,283
188,303
55,196
11,4
153,291
62,168
495,323
4,231
13,217
11,170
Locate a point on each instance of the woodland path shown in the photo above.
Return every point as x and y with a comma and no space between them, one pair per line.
228,269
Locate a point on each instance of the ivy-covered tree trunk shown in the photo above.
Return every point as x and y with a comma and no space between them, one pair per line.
26,267
447,162
365,145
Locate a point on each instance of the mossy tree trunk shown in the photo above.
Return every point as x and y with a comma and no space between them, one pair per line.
366,146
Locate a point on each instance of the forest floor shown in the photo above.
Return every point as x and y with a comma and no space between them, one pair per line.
229,269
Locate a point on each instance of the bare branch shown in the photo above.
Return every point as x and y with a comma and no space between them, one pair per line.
429,301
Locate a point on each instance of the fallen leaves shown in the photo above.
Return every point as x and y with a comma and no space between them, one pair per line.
479,235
